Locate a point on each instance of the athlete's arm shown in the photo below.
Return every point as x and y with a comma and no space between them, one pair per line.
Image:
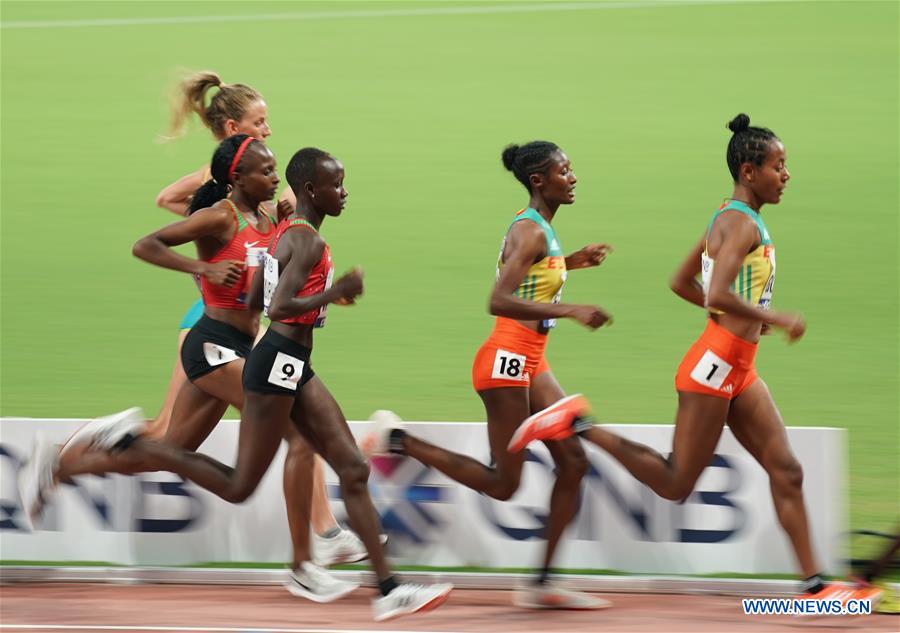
684,283
526,244
287,202
741,238
156,248
588,257
302,249
177,196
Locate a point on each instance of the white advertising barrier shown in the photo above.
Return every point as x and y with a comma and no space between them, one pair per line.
727,525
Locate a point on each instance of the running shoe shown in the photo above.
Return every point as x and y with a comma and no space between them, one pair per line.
108,431
378,440
36,478
314,583
550,596
552,423
410,598
844,592
890,599
343,547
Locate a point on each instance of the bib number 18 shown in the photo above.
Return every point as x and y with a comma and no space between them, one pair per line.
508,366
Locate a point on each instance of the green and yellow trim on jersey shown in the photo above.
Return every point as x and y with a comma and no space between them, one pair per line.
755,278
544,280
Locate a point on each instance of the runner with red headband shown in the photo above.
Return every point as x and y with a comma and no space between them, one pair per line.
280,386
233,109
231,234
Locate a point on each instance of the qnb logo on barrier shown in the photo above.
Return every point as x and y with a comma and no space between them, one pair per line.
117,503
646,516
403,498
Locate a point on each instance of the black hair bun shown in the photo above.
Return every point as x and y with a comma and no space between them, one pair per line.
739,123
509,156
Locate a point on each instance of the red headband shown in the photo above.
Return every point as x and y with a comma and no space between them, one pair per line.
237,156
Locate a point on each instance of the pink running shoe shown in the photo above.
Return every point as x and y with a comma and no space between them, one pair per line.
552,423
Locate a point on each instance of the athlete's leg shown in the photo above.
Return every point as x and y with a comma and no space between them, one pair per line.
571,466
196,414
297,479
506,407
323,519
756,423
157,427
298,482
319,418
263,424
698,425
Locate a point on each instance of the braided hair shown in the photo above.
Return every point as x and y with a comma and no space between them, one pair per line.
531,158
747,144
216,188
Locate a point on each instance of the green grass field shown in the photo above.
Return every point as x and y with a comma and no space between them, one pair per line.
419,106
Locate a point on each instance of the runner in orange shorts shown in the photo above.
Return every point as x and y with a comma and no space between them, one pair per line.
717,380
510,372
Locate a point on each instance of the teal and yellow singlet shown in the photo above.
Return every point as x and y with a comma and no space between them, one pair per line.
756,276
544,280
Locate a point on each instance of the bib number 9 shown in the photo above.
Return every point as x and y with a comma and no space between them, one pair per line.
286,371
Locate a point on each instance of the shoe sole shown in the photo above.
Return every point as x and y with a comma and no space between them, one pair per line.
294,590
432,604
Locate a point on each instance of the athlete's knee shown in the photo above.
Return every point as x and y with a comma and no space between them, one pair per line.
573,466
504,487
787,474
354,474
298,449
678,489
240,490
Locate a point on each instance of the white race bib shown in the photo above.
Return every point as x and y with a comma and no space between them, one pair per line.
218,355
711,370
286,371
509,366
270,280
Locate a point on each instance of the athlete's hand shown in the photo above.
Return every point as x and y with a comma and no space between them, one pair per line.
349,286
589,256
284,208
792,323
225,273
590,316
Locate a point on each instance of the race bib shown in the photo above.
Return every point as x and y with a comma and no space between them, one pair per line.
286,371
270,280
711,370
509,366
218,355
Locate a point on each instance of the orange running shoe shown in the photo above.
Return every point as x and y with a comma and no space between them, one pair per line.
845,591
552,423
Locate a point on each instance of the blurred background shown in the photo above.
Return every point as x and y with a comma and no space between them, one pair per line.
418,100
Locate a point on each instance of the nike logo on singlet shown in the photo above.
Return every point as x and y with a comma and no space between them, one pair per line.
250,244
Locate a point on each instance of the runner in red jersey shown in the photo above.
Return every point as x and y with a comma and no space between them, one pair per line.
231,233
281,387
237,108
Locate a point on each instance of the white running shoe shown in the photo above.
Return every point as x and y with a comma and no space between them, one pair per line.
550,596
106,432
410,598
36,478
377,441
343,547
314,583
